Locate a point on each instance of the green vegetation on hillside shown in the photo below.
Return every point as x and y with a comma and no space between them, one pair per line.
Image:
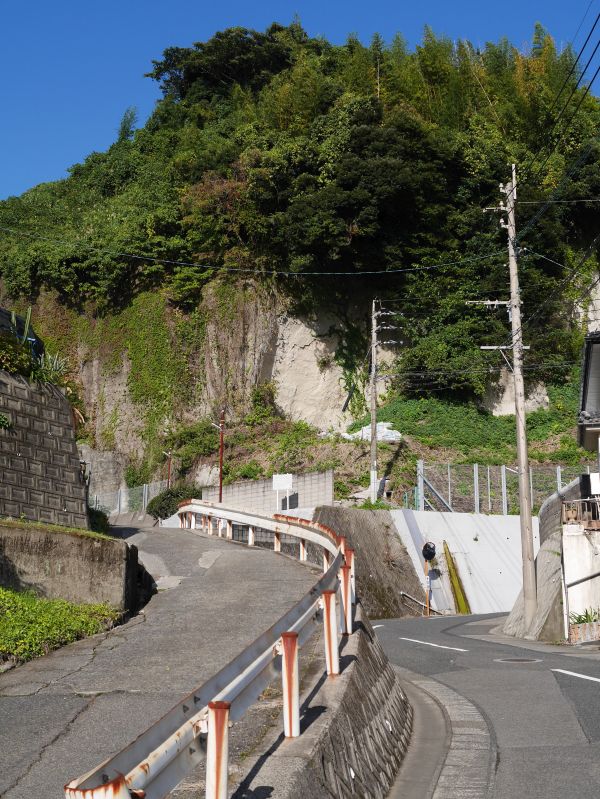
285,162
471,435
30,626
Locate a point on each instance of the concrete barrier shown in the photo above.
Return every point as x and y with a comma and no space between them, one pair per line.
79,568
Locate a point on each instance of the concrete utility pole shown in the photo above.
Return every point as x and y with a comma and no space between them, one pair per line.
373,480
529,583
221,431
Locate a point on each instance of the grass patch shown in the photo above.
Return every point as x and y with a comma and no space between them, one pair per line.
23,524
31,626
476,436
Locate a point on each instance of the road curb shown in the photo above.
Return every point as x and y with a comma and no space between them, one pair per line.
467,768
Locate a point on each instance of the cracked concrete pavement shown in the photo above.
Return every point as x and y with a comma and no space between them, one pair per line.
63,714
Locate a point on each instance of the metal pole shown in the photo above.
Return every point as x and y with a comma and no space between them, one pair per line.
291,685
373,477
332,653
221,428
558,478
489,491
529,584
420,485
346,586
476,486
170,456
427,582
504,497
217,750
449,487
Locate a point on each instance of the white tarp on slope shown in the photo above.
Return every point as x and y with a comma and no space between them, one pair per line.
486,550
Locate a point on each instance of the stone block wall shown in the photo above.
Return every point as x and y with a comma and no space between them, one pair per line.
39,463
357,728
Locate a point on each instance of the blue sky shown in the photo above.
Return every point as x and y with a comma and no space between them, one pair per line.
70,69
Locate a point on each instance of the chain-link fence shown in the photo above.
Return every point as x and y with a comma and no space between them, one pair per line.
127,499
477,488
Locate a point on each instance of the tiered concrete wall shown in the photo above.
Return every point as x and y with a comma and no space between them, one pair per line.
39,463
308,491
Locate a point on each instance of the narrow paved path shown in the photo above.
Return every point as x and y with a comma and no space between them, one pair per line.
63,714
541,704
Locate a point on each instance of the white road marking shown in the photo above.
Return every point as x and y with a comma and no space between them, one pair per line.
375,626
575,674
438,646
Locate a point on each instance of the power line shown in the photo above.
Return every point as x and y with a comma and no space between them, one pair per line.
559,288
534,157
568,125
583,19
565,179
582,200
207,267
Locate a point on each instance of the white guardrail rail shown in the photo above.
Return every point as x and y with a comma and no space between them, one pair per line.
196,728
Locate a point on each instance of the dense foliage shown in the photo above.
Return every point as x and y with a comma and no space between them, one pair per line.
165,504
276,152
31,626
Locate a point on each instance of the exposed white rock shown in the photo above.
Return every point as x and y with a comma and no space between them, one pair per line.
309,382
385,433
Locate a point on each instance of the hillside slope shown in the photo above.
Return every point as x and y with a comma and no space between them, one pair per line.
236,240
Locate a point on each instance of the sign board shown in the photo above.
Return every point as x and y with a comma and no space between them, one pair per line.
282,482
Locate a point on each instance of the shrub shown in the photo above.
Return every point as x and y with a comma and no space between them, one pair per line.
30,626
263,404
193,441
14,357
50,369
252,470
589,615
98,520
166,503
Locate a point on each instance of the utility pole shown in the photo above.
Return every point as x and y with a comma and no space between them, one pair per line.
373,480
529,583
221,432
220,427
169,455
514,313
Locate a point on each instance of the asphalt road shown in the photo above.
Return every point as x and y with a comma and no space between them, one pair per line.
541,702
63,714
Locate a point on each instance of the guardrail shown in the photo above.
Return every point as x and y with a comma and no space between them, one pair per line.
197,727
582,511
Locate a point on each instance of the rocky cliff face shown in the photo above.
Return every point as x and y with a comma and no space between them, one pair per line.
149,367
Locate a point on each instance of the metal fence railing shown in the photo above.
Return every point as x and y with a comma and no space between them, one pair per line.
582,511
196,729
126,499
477,488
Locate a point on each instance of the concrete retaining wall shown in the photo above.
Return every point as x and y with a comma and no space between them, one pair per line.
358,733
548,623
39,462
308,491
383,565
80,568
